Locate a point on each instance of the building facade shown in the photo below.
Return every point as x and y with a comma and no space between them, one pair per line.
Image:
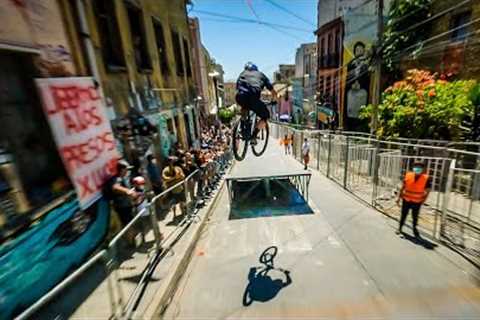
285,73
456,53
142,50
306,73
34,43
140,55
329,74
200,68
306,68
230,92
329,10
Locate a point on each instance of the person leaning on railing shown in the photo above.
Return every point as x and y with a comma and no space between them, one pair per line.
414,192
189,167
121,192
171,175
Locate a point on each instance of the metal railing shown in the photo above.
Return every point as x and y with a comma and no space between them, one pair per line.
373,170
141,239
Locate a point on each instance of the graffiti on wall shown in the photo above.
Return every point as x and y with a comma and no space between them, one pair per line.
53,60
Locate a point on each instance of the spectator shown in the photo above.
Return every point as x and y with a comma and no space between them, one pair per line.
172,175
189,167
121,193
292,140
286,143
306,153
154,174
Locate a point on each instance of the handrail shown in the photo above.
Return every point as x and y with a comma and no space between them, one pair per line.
30,311
400,140
164,192
127,227
62,285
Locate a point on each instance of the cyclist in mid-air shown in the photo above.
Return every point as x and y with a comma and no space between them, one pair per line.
250,84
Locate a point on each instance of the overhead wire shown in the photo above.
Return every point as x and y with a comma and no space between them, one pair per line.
434,17
430,51
261,22
273,3
409,50
250,6
235,19
252,10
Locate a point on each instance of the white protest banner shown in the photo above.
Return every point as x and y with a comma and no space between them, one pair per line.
82,132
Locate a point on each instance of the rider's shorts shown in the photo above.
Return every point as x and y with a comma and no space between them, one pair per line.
252,102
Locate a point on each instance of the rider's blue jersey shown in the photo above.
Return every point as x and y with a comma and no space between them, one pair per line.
253,82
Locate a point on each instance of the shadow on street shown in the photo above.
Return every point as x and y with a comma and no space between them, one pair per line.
265,282
419,241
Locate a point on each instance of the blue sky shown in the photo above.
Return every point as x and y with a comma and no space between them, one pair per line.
233,43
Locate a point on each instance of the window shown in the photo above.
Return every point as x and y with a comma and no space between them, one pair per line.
177,52
321,85
186,50
459,25
323,53
327,86
139,41
109,34
161,46
306,66
337,42
330,43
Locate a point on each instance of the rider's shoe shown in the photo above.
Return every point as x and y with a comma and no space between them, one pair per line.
253,141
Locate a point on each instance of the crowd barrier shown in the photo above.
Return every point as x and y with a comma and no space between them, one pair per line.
373,170
144,231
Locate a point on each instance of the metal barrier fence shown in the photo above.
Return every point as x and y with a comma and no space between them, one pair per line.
124,276
373,171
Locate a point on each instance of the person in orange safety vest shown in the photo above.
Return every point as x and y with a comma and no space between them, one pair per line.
414,192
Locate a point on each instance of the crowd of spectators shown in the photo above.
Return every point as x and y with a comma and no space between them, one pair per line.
202,166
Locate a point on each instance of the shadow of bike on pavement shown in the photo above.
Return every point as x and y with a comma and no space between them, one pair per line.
266,281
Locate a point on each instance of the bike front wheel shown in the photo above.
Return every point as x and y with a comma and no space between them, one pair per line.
262,141
239,142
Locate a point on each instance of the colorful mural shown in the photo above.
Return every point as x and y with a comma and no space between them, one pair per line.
361,25
41,257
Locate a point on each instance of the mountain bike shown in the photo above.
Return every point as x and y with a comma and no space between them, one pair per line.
243,134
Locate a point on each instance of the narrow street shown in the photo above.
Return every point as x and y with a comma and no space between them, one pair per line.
343,261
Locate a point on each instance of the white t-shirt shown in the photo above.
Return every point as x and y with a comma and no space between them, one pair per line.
305,148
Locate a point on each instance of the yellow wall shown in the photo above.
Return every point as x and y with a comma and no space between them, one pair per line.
40,28
118,84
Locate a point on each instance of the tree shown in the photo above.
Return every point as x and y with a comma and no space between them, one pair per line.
226,115
475,120
422,106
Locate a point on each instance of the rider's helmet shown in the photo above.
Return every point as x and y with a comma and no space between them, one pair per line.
250,66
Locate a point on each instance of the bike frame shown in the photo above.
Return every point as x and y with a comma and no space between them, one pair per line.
249,116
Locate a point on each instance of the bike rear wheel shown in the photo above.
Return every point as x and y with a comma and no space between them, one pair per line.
239,142
262,141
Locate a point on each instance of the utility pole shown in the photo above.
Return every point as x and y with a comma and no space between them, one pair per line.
378,67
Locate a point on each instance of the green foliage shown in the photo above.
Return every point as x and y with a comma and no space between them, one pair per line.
424,107
475,95
402,15
474,121
226,115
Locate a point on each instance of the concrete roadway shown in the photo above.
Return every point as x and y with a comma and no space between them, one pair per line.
344,262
